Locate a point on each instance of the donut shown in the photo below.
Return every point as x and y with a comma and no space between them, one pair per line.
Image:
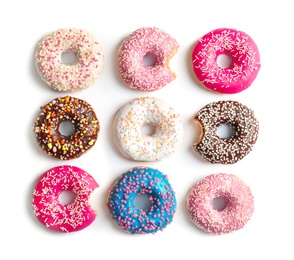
135,145
83,118
77,76
151,41
138,181
243,69
70,217
238,209
231,149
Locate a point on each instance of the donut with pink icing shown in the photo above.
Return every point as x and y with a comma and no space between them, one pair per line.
239,204
147,41
238,46
69,77
50,212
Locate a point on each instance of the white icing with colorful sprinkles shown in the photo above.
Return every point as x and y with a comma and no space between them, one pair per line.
234,148
128,123
69,78
245,60
64,218
147,40
237,212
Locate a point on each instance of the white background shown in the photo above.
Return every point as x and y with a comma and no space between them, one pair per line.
268,169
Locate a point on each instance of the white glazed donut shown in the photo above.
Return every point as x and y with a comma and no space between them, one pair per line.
69,78
128,123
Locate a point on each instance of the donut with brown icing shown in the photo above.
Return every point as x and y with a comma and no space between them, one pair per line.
231,149
83,118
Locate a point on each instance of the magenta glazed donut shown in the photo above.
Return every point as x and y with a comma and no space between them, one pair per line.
147,40
243,69
239,204
64,218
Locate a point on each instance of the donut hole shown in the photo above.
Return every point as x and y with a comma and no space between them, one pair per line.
66,128
219,203
66,197
226,130
224,61
68,58
148,129
142,201
149,60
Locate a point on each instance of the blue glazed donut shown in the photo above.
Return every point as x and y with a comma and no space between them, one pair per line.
137,181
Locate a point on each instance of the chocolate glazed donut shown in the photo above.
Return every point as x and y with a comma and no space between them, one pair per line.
234,148
83,118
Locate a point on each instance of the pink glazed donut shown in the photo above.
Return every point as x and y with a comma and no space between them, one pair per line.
239,47
152,41
50,212
237,195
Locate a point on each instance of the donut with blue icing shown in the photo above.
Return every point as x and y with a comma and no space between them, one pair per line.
138,181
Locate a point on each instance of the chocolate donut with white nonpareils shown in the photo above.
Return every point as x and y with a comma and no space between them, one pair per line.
84,121
231,149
